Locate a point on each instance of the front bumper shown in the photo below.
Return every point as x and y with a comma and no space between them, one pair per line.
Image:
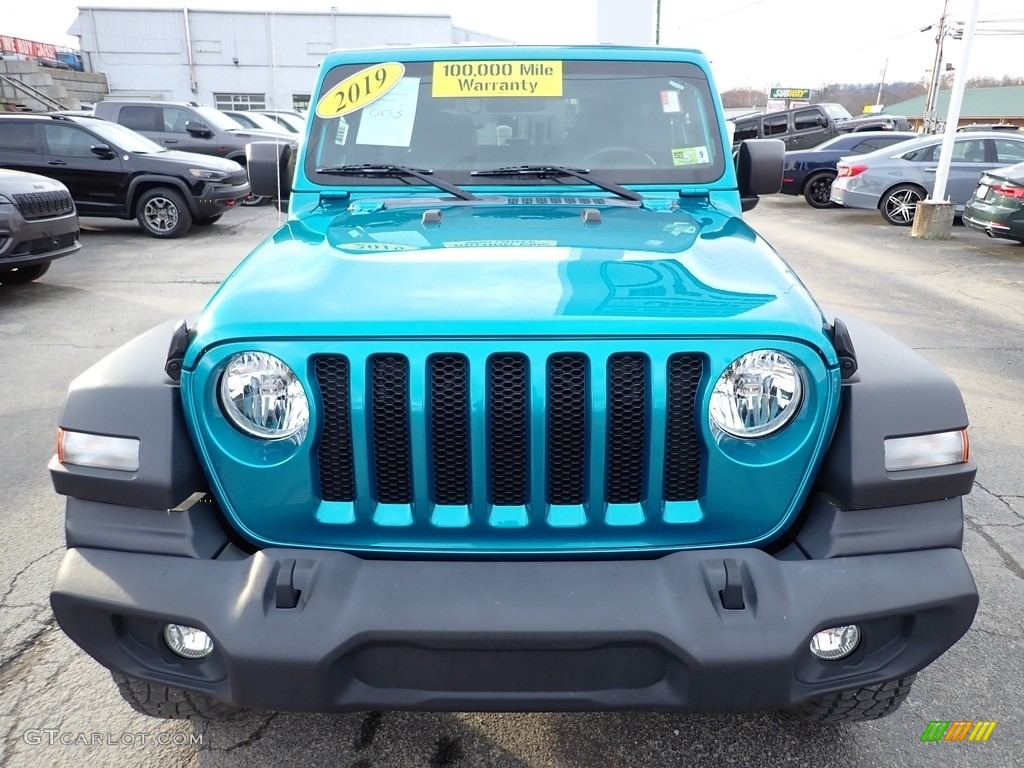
504,636
218,197
27,242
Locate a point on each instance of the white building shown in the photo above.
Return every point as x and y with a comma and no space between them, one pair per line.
237,59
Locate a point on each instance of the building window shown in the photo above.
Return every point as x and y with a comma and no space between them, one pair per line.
300,102
240,102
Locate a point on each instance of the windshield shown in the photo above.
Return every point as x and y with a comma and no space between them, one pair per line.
836,111
121,137
626,121
217,119
265,123
289,122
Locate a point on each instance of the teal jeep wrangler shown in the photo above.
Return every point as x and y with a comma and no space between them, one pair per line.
514,412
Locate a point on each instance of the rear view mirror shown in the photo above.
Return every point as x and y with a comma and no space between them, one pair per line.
271,166
198,130
759,164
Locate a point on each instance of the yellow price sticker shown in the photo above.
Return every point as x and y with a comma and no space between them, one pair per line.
497,78
358,90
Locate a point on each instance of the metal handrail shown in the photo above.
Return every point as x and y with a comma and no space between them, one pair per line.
34,93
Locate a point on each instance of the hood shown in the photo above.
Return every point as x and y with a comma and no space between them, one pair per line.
18,182
196,160
257,134
511,267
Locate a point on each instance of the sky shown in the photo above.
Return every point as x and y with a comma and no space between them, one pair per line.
755,43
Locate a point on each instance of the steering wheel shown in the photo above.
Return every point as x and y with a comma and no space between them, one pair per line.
647,159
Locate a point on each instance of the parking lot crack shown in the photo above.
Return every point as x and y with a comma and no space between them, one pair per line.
254,736
1002,499
12,665
14,581
10,740
1015,568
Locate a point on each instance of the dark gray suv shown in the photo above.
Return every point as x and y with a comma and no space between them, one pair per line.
38,223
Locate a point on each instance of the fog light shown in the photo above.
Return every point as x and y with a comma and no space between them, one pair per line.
835,642
188,642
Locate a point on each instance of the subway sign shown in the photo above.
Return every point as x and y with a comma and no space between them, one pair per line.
789,93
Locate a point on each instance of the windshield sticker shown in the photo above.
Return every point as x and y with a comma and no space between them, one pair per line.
690,156
498,243
375,247
341,135
678,228
670,101
497,78
388,121
358,90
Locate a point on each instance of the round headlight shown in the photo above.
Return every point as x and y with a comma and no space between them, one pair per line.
263,397
757,395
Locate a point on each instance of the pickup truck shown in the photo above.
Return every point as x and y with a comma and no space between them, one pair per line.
808,126
514,412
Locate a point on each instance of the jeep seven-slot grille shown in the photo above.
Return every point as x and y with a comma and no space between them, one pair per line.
508,428
44,205
238,177
449,428
568,399
337,474
389,410
567,429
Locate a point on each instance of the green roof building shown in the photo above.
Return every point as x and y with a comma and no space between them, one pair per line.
980,105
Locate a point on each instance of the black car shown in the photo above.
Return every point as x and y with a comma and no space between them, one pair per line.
38,223
810,172
997,207
111,171
189,127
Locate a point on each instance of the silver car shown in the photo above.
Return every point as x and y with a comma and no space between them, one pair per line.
896,178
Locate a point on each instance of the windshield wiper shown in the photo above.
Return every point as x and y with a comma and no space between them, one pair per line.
554,171
369,170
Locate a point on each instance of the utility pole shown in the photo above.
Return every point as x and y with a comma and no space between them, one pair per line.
881,84
930,116
657,22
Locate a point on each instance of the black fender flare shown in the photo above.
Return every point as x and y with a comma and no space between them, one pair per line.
128,394
895,392
163,181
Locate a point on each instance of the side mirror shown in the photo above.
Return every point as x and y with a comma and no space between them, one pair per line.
759,164
102,150
271,166
823,121
198,130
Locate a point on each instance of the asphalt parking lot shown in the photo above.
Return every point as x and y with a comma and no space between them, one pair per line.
959,302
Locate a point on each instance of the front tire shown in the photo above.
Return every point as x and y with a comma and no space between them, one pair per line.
163,213
23,275
818,190
170,703
899,204
857,704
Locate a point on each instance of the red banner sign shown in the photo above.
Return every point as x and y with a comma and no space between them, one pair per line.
27,47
